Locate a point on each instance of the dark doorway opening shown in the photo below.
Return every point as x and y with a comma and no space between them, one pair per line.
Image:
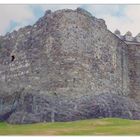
12,58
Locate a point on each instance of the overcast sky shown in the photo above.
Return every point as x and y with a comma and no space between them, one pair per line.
122,17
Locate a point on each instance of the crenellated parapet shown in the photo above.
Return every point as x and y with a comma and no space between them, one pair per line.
128,37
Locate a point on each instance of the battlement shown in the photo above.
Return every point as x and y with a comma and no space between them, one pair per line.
128,38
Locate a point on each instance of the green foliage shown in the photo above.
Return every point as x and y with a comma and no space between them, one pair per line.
108,126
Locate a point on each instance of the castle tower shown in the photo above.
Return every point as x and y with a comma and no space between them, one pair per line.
133,61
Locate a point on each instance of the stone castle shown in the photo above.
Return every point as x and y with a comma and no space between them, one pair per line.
68,66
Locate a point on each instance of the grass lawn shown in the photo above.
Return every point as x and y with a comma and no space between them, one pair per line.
107,126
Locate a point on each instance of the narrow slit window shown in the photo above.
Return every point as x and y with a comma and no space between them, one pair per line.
12,58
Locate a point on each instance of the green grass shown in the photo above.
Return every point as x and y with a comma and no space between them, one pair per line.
107,126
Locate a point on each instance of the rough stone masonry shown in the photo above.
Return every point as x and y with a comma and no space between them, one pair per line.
68,66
